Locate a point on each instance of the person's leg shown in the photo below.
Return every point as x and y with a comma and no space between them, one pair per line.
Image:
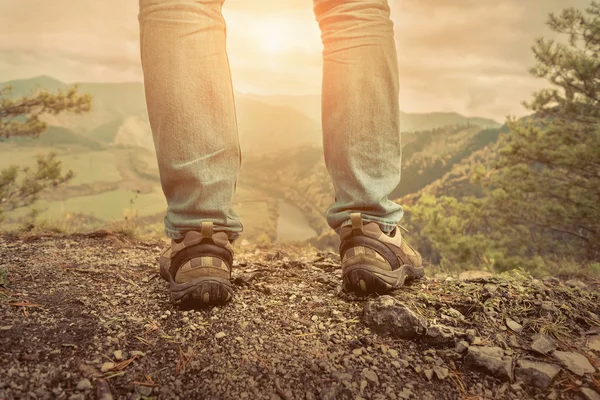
192,114
192,117
361,116
361,137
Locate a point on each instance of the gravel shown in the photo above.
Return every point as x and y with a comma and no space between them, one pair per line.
87,316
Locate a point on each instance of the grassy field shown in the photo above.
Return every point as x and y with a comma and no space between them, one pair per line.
106,206
89,166
128,169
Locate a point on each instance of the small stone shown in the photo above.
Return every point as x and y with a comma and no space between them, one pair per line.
471,333
440,372
118,355
474,275
535,373
389,315
84,384
476,341
370,375
393,353
220,335
513,325
461,347
145,391
440,334
594,343
363,385
77,396
107,366
490,287
310,396
575,283
138,353
574,362
357,352
490,360
590,394
428,374
543,344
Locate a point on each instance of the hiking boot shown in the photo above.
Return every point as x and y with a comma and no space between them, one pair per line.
198,268
374,262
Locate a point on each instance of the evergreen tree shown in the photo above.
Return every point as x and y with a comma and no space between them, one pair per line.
540,198
21,186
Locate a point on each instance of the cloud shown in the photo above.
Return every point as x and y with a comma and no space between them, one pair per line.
470,56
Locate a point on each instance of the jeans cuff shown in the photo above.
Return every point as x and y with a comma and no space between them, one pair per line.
385,227
177,234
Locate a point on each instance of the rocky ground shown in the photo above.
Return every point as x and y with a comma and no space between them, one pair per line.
89,317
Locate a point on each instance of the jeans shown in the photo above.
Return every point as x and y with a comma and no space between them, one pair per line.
192,115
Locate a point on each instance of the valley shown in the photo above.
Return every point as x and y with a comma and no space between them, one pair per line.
284,187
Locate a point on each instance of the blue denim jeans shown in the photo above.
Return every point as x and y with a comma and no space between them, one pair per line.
192,112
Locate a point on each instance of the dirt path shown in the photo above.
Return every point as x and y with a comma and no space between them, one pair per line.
88,317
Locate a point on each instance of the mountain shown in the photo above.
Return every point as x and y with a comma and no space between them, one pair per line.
310,105
119,117
416,122
265,127
58,136
427,156
266,123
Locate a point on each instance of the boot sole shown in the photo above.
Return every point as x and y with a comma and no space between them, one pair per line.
201,292
364,279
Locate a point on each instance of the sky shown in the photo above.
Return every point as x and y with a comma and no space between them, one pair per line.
468,56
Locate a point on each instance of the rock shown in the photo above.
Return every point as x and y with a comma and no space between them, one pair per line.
574,362
138,353
535,373
475,275
513,325
575,283
118,355
461,347
393,353
77,396
84,384
388,315
489,359
145,391
440,334
220,335
428,374
543,344
107,366
357,352
370,375
590,394
440,372
594,343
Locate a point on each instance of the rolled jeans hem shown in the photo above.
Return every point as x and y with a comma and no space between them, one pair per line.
177,234
385,226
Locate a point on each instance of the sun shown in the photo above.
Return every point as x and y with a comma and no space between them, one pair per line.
274,44
273,36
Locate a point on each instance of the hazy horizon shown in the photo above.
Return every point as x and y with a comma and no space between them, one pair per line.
470,57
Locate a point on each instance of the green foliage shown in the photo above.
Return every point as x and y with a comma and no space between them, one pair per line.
21,116
537,201
548,171
21,186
